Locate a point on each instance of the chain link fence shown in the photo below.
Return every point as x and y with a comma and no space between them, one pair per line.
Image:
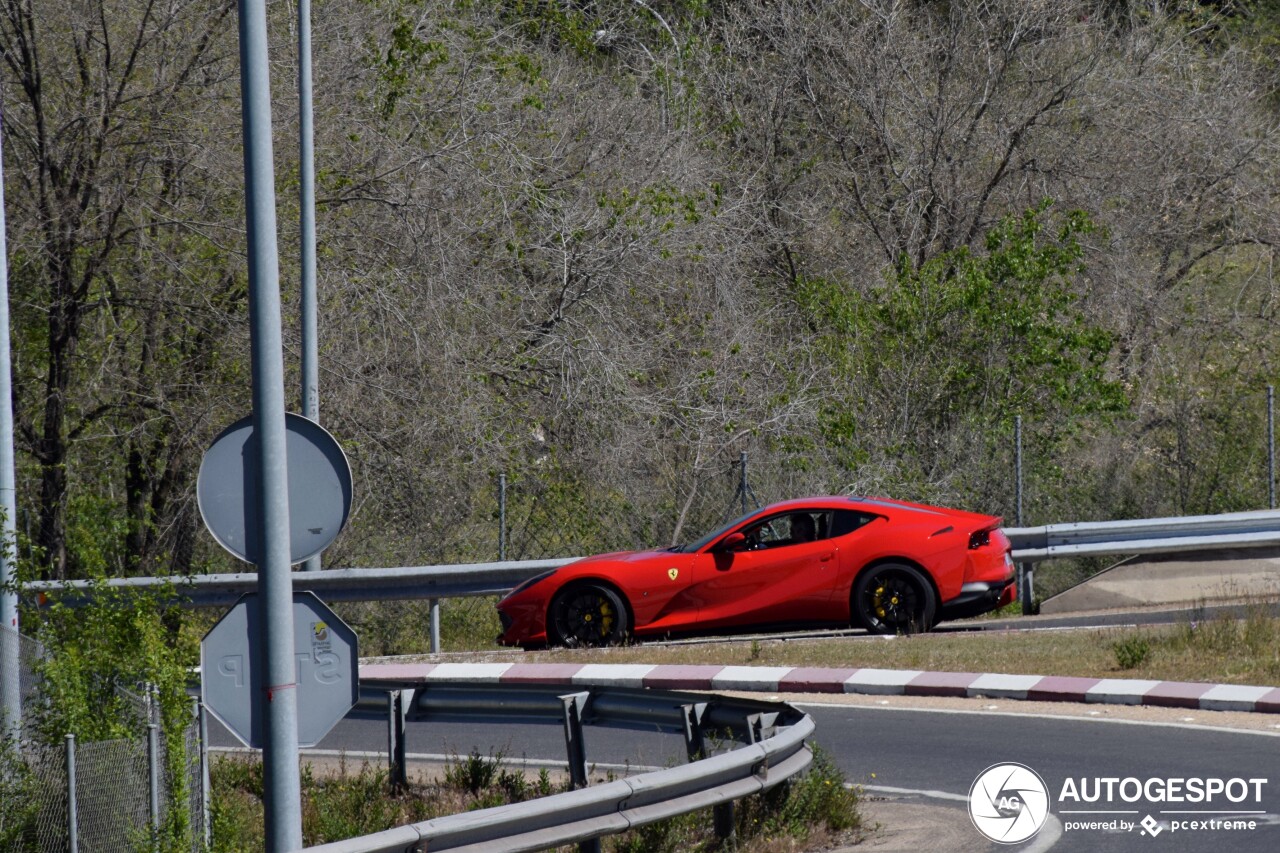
111,795
540,519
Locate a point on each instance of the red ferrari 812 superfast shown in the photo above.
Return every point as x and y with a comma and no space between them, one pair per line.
885,565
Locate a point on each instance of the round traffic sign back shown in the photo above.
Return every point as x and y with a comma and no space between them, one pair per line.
319,489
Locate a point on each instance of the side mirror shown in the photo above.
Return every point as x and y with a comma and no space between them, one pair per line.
734,542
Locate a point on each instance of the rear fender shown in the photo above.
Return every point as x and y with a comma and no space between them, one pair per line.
906,561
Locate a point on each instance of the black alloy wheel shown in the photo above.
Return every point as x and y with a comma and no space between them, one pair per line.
588,615
893,598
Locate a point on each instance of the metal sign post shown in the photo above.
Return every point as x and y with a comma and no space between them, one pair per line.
307,229
281,784
10,687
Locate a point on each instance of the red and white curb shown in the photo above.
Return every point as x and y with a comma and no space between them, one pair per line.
886,682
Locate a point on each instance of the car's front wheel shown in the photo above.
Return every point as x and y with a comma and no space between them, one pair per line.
893,598
587,614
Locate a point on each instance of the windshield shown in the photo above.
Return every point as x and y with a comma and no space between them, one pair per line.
711,537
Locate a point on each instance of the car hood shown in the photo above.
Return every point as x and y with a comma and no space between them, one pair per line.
627,557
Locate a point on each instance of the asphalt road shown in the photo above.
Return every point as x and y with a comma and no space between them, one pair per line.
932,751
933,757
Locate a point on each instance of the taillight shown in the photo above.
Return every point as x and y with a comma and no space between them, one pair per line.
979,540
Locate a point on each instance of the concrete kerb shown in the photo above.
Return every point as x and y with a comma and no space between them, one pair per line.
881,682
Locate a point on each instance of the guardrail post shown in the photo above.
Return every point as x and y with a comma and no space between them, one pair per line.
761,726
73,831
1027,588
695,743
575,706
398,704
722,820
435,626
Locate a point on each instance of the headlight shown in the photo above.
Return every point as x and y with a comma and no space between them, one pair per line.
531,581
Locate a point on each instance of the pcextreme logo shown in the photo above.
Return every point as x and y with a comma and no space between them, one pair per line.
1008,803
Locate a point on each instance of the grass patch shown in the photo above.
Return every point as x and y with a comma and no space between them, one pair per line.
348,802
1217,649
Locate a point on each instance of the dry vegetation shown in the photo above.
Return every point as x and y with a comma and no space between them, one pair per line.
605,247
809,813
1217,649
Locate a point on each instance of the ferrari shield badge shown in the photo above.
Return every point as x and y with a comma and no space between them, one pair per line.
673,573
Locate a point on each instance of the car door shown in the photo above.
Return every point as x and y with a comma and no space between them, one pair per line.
777,580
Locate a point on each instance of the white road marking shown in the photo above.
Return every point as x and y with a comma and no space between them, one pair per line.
1090,719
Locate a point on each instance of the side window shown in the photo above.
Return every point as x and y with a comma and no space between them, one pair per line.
798,527
847,520
772,532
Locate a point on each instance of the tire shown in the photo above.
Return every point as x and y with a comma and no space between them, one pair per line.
893,598
587,614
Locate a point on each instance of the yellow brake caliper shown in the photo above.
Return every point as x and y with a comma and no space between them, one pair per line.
606,618
879,601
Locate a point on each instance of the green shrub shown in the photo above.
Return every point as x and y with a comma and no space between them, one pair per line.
118,638
19,801
819,798
349,805
1131,652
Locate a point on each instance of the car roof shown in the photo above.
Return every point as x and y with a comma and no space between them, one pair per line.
877,505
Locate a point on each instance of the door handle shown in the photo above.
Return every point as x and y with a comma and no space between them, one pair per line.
826,557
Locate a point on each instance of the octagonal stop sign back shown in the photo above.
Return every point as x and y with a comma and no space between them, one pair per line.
326,669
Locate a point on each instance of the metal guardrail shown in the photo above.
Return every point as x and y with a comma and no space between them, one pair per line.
423,582
1030,544
774,750
1146,536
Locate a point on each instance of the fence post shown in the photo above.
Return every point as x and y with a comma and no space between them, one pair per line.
73,833
1271,446
502,517
1017,468
206,825
153,776
1026,571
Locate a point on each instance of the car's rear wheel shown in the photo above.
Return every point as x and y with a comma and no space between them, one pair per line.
893,598
588,614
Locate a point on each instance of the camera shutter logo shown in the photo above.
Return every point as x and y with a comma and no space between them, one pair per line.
1008,803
